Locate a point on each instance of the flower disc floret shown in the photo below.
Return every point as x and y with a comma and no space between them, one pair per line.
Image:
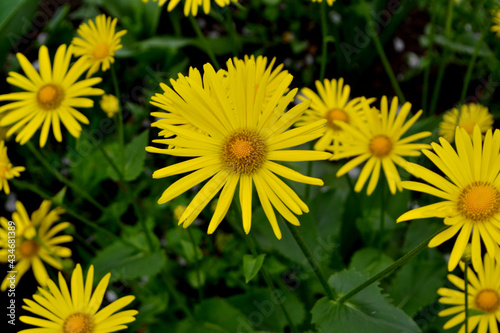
479,201
78,323
487,300
244,152
49,96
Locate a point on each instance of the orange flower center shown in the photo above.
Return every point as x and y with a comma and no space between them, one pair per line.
336,114
244,152
49,96
479,201
29,248
78,323
380,146
469,127
101,51
3,170
487,300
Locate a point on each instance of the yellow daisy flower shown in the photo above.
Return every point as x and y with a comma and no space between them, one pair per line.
51,97
496,23
330,2
332,104
191,6
75,310
468,117
7,171
98,43
109,104
239,144
377,140
471,193
483,294
35,242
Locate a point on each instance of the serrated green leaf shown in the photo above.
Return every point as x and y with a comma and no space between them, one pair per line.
252,266
367,311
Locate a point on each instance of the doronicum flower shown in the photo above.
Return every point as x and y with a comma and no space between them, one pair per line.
98,43
110,105
75,309
470,191
331,103
468,117
240,141
50,98
330,2
191,6
378,140
483,295
36,241
7,171
496,23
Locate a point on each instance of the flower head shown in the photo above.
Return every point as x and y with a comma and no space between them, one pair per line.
77,311
332,104
98,43
470,191
483,295
51,97
496,23
35,242
109,104
468,117
330,2
377,140
7,171
240,140
191,6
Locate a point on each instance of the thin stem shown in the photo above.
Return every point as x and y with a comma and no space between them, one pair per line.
324,34
119,121
312,260
466,293
61,178
469,71
382,209
175,294
427,72
235,41
400,262
197,265
383,57
205,42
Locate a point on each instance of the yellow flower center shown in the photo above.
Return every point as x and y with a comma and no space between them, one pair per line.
3,170
479,201
336,114
469,127
78,323
29,248
244,152
101,51
380,145
487,300
49,96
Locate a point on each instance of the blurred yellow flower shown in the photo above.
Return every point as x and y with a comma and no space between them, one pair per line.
77,311
239,143
377,140
330,2
35,242
483,294
98,43
470,193
468,117
496,23
109,104
7,171
191,6
51,97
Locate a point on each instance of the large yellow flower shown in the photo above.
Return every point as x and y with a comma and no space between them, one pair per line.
75,309
35,242
496,23
468,117
191,6
7,171
51,97
377,140
332,104
98,43
471,193
239,143
483,294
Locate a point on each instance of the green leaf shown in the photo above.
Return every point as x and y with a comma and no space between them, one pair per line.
135,154
58,199
191,253
367,311
251,266
369,261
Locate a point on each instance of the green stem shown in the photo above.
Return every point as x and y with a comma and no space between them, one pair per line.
324,34
61,178
466,293
442,64
312,260
119,121
175,294
383,57
197,265
205,42
427,72
235,40
382,209
400,262
469,71
93,225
